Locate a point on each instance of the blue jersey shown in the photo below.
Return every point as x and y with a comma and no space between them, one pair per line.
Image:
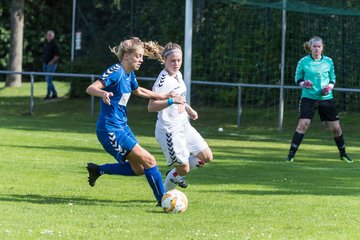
113,117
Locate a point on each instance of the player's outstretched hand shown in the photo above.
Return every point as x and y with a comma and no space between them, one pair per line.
193,114
106,97
306,84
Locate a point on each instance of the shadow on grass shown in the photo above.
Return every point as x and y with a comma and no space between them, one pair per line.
315,177
328,191
57,147
43,199
263,154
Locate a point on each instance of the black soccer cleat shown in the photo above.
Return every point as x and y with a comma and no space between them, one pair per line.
289,158
158,204
344,157
182,183
94,173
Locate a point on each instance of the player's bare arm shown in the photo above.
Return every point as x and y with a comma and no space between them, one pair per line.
145,93
95,89
158,105
191,112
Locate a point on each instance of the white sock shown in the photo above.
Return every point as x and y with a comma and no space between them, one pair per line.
195,163
168,184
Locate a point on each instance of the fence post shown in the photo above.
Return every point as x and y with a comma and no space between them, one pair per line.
92,99
31,94
239,110
282,77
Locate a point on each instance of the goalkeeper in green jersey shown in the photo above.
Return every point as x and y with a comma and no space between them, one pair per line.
315,74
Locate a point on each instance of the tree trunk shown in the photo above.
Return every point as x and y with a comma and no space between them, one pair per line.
16,43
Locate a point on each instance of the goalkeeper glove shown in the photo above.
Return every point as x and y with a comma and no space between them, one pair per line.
306,84
326,89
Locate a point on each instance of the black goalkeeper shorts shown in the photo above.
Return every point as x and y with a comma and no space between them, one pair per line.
326,108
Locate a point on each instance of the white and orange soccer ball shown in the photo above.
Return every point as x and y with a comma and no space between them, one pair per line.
174,201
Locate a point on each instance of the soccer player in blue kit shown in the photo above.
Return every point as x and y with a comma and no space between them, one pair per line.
115,87
315,74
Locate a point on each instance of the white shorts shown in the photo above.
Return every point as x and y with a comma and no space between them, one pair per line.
177,146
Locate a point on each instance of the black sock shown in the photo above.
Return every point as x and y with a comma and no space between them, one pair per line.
295,143
340,143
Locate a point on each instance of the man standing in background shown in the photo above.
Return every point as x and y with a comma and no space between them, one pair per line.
50,59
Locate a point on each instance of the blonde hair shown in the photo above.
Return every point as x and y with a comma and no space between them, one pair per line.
151,49
307,45
155,51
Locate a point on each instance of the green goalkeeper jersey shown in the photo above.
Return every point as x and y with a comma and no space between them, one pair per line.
319,72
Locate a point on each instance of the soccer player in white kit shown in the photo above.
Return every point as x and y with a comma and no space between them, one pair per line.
184,148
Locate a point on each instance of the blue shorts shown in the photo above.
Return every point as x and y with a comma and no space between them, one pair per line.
117,143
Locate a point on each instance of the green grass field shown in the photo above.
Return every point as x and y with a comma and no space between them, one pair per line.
247,192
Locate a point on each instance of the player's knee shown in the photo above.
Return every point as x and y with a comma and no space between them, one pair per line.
139,171
206,156
209,157
137,168
182,170
302,127
143,157
305,126
337,131
147,160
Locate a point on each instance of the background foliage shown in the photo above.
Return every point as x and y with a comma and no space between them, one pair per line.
234,40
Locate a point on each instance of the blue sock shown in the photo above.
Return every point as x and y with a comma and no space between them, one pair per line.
117,169
155,180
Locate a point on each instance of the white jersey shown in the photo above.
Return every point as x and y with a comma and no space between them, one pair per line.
174,117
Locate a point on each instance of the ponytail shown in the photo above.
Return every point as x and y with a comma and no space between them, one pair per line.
307,47
154,51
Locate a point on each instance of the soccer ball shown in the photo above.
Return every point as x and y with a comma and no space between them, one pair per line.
174,201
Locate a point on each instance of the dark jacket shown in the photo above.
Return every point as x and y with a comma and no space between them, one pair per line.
51,49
